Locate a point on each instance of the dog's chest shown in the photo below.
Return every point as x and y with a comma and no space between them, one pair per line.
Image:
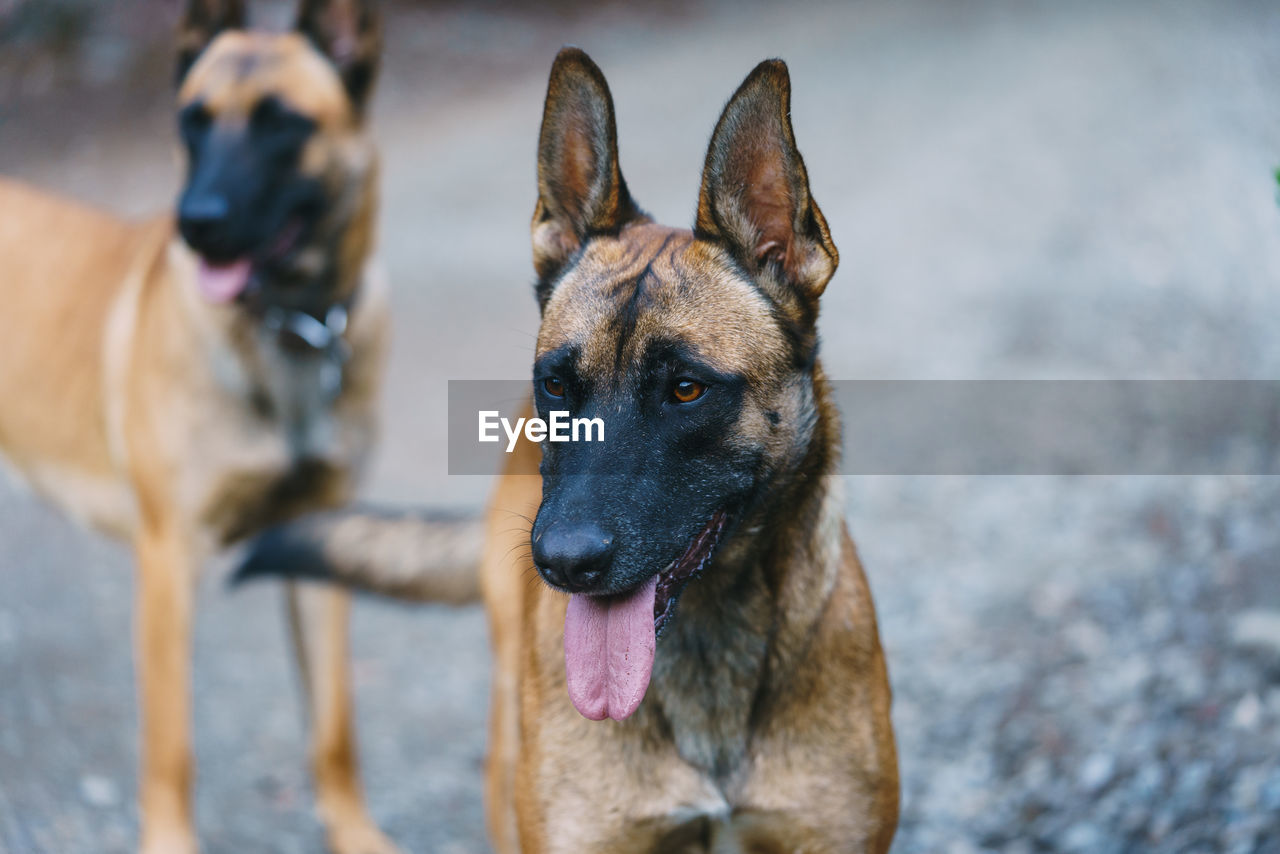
778,800
774,808
286,441
706,682
749,790
710,667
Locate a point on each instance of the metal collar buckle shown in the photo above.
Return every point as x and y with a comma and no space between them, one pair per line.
299,330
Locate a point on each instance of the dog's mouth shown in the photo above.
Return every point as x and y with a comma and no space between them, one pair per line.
609,641
224,280
676,577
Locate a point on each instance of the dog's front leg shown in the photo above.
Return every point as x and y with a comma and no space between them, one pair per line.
318,620
165,588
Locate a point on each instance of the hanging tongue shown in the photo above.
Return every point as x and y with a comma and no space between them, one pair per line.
608,651
223,282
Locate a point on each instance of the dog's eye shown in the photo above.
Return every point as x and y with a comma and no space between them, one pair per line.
266,113
553,387
193,121
274,121
687,391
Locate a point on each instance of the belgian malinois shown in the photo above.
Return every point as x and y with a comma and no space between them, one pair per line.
755,716
186,381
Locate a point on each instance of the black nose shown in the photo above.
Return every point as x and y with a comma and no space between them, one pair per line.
573,556
202,218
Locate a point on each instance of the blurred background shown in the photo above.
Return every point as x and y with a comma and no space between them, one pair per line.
1018,190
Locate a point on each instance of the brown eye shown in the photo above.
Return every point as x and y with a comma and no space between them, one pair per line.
553,387
687,391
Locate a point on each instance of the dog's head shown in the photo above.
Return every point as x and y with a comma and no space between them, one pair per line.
280,181
696,348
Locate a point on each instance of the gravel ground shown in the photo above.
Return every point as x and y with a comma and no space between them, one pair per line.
1029,190
1117,690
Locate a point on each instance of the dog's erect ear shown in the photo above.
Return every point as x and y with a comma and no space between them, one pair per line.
580,187
349,32
201,22
755,191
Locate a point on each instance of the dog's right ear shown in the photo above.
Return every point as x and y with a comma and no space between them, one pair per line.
349,33
581,192
202,21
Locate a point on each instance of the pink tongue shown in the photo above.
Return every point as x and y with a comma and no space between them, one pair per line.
608,652
223,283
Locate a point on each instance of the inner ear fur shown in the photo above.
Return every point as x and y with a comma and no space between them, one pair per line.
201,22
581,191
755,195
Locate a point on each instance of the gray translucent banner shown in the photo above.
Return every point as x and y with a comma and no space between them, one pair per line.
944,427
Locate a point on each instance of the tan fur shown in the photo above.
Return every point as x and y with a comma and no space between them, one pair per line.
137,405
781,742
698,285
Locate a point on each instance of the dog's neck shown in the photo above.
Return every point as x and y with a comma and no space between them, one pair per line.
283,359
309,323
743,626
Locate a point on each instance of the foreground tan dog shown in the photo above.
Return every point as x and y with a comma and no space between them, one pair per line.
185,394
759,721
755,717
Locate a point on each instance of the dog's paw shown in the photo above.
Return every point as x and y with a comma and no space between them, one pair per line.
172,842
360,838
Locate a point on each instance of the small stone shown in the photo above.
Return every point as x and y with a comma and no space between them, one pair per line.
1259,629
1192,780
1247,789
1157,624
1161,824
98,791
1037,773
1082,837
1183,672
1149,780
1097,771
1131,674
1051,600
1247,713
1087,638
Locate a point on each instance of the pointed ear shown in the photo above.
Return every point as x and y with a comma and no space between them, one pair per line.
201,22
580,187
349,33
755,191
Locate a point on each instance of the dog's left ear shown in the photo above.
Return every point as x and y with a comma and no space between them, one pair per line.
755,191
349,33
202,21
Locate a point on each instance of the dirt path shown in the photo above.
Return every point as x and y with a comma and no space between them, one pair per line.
1017,190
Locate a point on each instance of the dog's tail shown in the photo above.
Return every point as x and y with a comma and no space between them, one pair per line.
414,555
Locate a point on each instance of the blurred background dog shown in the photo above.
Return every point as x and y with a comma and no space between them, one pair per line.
184,381
1017,190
